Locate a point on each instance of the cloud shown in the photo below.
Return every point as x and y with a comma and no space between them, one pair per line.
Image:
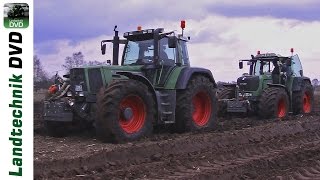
81,19
217,43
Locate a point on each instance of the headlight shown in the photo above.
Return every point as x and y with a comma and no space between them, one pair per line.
81,94
71,102
245,95
78,88
69,93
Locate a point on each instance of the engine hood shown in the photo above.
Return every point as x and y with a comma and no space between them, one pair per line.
248,83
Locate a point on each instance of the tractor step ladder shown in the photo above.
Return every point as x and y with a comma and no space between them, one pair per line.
166,105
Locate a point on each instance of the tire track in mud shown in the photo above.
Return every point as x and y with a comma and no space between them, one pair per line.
208,151
238,162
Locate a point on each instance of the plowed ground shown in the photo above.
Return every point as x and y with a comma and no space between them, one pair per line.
240,148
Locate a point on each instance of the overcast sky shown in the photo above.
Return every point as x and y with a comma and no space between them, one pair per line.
222,31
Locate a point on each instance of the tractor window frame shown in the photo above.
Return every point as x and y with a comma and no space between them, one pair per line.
139,54
170,52
183,49
296,66
266,68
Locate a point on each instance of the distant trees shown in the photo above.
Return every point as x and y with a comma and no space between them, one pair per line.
315,82
38,72
40,76
77,60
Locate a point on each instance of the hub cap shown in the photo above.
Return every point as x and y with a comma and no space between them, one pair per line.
306,103
133,114
202,108
282,108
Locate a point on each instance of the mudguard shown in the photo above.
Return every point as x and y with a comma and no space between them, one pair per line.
188,72
298,83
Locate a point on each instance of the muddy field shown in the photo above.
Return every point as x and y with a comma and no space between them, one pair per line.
240,148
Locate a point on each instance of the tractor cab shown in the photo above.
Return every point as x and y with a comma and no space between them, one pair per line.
271,68
154,52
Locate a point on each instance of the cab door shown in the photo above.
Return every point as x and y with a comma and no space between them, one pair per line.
167,61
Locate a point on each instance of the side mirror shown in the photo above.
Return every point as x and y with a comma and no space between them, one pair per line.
103,49
241,65
172,42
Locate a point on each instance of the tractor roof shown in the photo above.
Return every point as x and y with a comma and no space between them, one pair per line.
148,34
141,34
267,57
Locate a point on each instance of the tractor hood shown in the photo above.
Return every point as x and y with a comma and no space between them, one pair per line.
91,79
248,83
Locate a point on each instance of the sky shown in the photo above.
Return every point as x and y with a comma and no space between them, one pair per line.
221,31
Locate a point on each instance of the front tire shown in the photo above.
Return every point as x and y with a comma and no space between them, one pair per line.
274,103
125,96
224,93
196,107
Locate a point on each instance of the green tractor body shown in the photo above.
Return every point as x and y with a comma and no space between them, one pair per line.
154,85
274,86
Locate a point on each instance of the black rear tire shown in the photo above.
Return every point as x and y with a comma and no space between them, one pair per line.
121,94
274,103
224,93
196,107
302,99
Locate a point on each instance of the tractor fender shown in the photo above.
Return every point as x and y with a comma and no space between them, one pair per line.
188,72
138,77
298,83
279,85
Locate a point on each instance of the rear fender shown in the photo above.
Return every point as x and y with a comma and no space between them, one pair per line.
188,72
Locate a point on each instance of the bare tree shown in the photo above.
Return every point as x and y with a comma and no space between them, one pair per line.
315,82
96,63
76,60
38,72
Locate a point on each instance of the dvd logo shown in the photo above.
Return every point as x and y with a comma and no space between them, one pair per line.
16,23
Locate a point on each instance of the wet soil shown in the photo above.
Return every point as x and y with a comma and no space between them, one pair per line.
239,148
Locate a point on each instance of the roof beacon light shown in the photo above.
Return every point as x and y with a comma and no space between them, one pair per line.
183,25
139,28
258,52
291,50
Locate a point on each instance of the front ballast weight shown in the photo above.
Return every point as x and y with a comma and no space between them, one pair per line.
234,102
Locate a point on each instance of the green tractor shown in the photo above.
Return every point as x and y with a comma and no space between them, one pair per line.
274,86
154,86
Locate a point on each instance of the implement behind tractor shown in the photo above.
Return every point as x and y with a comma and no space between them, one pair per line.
274,86
154,85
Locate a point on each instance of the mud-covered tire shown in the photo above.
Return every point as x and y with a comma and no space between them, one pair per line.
56,129
303,101
112,100
196,107
274,103
224,93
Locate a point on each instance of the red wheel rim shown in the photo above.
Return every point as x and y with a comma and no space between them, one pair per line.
282,110
306,103
202,108
136,122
